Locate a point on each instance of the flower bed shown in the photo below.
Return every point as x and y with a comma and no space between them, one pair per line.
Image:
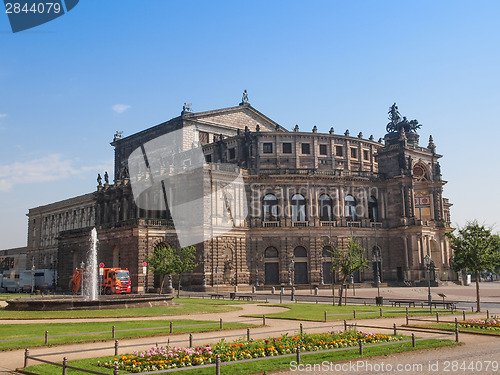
493,324
160,358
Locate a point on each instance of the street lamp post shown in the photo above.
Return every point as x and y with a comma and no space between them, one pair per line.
377,268
82,266
290,278
428,262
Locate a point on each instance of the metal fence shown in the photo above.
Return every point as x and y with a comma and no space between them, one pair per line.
217,365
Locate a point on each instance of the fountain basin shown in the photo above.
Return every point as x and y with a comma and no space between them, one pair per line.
125,301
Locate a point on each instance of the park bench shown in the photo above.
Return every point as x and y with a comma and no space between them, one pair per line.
217,296
398,302
247,297
446,304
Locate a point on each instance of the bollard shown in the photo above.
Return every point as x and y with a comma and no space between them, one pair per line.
437,317
472,308
298,355
354,314
345,325
273,290
46,337
301,329
281,296
217,364
26,355
381,313
316,302
463,315
190,340
395,330
263,320
220,323
456,330
360,347
113,332
116,347
413,342
407,318
171,327
325,315
487,314
65,365
248,334
430,308
116,371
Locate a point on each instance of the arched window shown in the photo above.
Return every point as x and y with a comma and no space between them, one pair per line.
327,252
373,209
350,208
271,252
325,207
300,252
270,208
298,207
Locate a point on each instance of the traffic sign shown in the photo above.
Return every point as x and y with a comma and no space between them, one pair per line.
144,264
101,265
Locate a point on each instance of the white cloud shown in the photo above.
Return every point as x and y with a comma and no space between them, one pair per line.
120,108
48,168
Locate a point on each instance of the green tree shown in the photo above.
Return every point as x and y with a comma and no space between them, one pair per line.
475,250
162,262
348,261
184,261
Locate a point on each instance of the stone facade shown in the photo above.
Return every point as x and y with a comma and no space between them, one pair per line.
306,192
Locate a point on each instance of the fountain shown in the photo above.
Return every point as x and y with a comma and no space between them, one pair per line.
90,287
90,298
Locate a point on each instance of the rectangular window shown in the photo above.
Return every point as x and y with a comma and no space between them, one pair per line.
366,155
306,148
354,153
339,151
208,158
232,153
287,148
322,149
203,137
267,148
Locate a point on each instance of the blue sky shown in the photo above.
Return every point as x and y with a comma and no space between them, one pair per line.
68,85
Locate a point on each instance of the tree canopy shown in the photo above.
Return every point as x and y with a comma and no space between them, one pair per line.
475,250
168,261
348,261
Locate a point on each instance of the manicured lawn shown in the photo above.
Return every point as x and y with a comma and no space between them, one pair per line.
184,306
316,312
266,365
451,327
13,331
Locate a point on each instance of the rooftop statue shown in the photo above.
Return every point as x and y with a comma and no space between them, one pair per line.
244,99
397,124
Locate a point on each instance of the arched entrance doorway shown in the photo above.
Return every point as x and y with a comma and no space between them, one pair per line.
300,265
271,266
328,277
